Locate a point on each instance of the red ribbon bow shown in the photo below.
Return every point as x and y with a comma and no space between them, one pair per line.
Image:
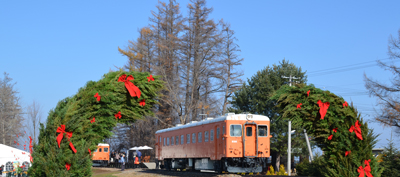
308,93
30,148
97,96
90,152
367,169
345,104
335,130
347,153
150,78
356,128
67,166
60,136
299,106
330,137
93,120
142,103
118,115
323,108
132,89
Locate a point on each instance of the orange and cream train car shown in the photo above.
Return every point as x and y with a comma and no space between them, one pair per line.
101,155
232,143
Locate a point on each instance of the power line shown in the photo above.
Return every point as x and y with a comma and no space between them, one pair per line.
343,69
324,70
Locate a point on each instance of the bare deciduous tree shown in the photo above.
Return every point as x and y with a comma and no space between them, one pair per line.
34,118
10,112
388,95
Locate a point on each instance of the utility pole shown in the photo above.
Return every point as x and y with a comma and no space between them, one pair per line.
289,130
290,79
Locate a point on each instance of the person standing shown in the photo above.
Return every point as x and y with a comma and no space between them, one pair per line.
136,163
139,155
116,158
122,161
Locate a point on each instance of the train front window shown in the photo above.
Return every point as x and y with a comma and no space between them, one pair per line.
249,131
105,149
262,130
99,149
236,130
217,132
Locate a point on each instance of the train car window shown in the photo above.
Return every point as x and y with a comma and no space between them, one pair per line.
262,130
164,141
212,135
194,138
236,130
182,139
217,132
176,140
172,140
160,139
105,149
167,141
223,130
200,138
99,149
188,139
249,131
206,136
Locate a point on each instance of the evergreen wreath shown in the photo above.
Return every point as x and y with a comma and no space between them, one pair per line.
78,123
336,127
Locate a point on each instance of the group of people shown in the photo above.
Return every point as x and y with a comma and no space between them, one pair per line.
120,158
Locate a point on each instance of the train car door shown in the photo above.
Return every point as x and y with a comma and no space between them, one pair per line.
217,141
158,146
250,140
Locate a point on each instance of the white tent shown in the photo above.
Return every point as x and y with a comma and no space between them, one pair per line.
140,148
10,154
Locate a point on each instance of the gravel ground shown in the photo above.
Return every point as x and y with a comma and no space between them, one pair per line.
162,173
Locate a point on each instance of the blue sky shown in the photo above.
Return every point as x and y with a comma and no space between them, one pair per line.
52,48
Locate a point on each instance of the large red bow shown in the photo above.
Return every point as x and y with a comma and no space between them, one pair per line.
308,93
347,153
356,128
330,137
299,106
132,89
142,103
60,136
323,108
68,166
118,115
367,169
150,78
93,120
97,96
345,104
335,130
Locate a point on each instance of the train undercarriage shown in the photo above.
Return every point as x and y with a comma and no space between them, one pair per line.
231,165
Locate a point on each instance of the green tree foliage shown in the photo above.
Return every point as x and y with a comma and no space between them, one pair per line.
305,168
338,117
76,113
390,161
254,97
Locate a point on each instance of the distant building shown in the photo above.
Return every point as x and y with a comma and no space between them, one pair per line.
377,151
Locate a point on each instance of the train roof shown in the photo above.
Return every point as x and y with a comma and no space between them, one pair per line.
227,116
103,144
